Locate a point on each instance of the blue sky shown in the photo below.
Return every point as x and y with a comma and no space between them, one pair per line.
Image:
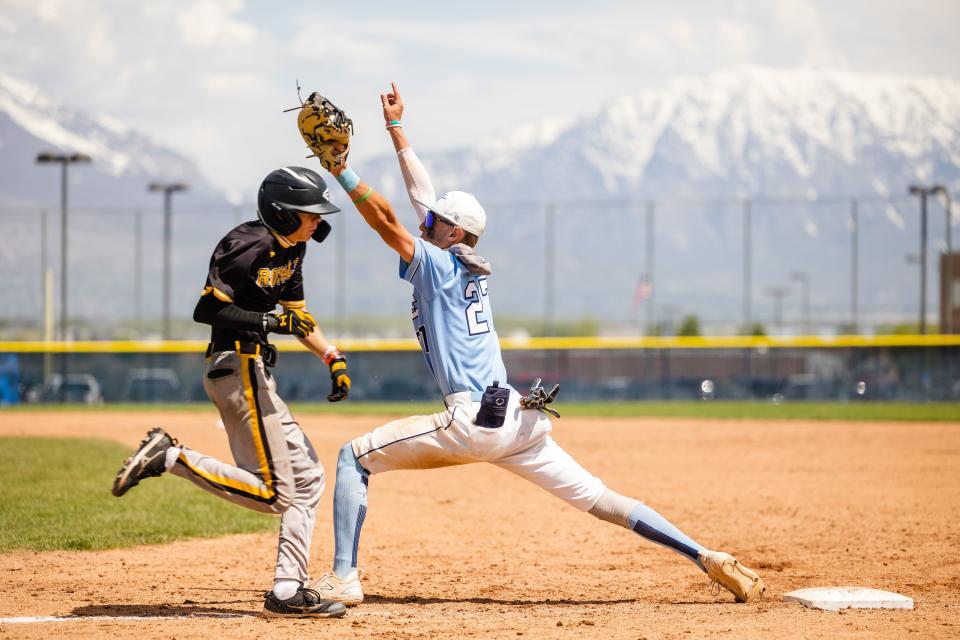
211,77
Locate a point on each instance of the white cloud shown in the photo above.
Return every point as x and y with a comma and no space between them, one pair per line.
467,73
894,216
317,42
738,39
684,36
211,23
48,10
7,26
796,16
102,48
231,82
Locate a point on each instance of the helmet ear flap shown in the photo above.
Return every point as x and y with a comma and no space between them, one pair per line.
289,221
322,231
281,219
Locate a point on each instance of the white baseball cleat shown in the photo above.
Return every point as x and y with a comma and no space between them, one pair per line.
724,570
346,590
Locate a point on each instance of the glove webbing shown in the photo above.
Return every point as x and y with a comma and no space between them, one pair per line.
538,398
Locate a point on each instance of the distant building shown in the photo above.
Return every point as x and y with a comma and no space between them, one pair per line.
950,281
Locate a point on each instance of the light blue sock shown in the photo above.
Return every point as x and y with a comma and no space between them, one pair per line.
654,527
349,510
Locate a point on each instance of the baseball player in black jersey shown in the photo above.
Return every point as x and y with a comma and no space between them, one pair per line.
255,268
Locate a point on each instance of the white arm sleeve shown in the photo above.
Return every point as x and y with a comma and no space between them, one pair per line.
418,182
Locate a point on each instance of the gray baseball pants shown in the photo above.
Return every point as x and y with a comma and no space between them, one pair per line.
276,471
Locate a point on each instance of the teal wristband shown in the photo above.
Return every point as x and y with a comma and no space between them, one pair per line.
393,123
348,180
364,196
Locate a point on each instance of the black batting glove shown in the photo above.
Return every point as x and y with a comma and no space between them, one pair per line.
339,376
292,322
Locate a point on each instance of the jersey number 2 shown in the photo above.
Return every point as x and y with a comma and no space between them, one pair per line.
475,325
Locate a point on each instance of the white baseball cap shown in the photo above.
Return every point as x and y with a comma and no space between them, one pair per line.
461,209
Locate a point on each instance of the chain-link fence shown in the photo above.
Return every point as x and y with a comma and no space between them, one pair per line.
633,267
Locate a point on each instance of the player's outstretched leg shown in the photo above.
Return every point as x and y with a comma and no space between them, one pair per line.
148,461
722,568
644,521
349,511
553,469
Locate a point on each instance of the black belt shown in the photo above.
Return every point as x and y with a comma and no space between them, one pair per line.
248,347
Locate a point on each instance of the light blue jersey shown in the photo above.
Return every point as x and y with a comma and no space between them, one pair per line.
453,321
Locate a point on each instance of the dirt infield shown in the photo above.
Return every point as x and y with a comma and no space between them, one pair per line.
476,552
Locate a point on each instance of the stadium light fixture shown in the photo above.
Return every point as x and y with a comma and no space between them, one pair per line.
168,189
778,294
804,279
939,189
922,192
64,160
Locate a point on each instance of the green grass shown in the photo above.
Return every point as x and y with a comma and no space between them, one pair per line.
55,494
862,411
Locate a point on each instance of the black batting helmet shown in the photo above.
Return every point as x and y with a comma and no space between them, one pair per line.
288,190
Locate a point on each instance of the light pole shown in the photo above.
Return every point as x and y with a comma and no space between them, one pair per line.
64,160
341,283
168,189
912,258
747,248
778,294
138,271
948,267
670,313
923,192
548,268
854,265
649,237
804,279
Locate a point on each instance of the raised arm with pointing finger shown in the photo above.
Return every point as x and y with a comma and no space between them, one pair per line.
419,187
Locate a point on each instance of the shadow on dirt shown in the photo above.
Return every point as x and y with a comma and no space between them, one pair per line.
377,599
188,609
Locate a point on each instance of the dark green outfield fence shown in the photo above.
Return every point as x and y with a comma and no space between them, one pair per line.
844,368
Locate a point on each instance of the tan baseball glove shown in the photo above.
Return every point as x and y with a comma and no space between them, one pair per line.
326,129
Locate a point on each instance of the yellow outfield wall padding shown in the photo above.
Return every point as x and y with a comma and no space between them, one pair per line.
510,344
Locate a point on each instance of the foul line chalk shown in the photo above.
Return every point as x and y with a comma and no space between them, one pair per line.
39,619
224,616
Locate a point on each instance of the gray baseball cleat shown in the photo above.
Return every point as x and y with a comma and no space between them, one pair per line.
346,590
305,603
148,461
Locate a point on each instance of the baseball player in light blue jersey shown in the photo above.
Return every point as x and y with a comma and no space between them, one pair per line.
484,420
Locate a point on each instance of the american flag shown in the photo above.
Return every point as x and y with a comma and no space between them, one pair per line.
642,291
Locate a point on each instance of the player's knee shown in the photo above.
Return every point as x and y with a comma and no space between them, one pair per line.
347,462
311,483
284,490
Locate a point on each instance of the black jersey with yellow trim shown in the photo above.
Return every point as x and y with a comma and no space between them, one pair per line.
254,269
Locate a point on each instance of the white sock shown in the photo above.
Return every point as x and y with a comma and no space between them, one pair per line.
285,588
172,454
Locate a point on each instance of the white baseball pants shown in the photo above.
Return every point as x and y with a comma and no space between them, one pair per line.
522,446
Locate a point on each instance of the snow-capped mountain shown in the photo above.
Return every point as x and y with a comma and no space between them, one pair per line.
125,160
798,144
748,131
